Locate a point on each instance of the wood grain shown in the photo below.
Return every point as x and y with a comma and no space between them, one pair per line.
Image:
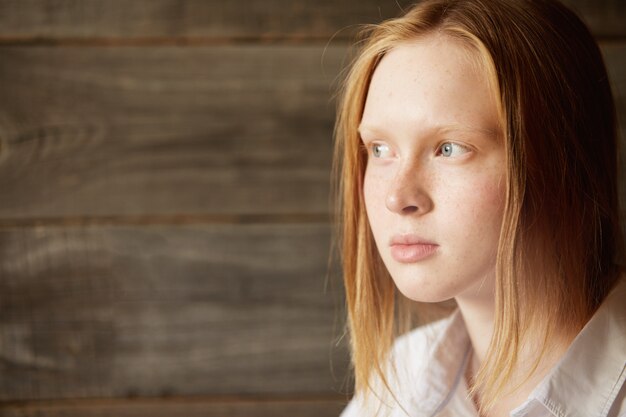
187,407
189,19
169,20
162,236
168,310
165,130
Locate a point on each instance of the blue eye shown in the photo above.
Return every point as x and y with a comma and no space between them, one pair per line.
450,149
380,150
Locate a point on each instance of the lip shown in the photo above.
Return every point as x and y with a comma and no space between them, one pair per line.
411,248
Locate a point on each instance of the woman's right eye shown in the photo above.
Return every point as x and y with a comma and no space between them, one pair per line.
380,150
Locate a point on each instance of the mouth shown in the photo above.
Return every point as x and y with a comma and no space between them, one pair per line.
411,248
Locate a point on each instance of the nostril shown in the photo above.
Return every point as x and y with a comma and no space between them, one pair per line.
409,209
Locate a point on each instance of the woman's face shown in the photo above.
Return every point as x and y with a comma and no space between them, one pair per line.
435,180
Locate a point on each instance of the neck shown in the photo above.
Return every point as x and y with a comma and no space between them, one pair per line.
477,306
478,317
478,310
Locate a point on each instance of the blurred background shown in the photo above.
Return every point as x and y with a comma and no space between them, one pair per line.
164,213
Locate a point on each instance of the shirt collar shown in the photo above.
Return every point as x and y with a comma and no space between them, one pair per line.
588,378
447,357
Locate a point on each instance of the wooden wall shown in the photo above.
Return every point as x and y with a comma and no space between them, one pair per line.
164,234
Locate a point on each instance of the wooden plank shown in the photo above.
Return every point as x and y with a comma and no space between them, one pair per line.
605,18
168,20
165,130
323,407
615,59
213,19
165,310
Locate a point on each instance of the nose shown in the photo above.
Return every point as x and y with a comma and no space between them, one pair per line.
408,194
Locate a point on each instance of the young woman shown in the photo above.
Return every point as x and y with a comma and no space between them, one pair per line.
477,161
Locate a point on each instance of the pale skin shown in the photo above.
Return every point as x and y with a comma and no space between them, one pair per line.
435,183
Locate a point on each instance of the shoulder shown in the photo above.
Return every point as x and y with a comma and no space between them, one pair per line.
590,378
412,350
422,339
407,363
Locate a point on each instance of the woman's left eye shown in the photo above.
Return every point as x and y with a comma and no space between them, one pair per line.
380,150
451,149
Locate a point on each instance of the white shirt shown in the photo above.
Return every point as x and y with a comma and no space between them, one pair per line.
430,361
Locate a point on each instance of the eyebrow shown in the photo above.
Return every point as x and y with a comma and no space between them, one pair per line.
493,132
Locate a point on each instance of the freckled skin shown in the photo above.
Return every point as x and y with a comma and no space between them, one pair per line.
425,93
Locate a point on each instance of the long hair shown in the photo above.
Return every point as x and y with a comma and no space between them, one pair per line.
560,235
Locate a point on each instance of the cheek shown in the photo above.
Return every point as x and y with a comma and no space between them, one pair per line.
481,203
490,199
373,194
470,229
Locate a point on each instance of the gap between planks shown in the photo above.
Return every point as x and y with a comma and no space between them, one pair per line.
166,219
170,41
192,399
270,39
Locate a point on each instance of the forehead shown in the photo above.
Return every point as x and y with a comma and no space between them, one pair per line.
433,80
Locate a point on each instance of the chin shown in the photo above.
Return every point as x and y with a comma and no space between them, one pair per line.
416,290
